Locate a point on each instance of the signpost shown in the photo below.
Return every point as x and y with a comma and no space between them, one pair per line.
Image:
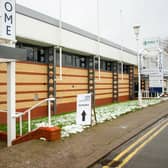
7,23
155,80
152,64
84,109
151,43
8,38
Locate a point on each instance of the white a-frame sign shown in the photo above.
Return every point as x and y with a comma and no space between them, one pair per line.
84,109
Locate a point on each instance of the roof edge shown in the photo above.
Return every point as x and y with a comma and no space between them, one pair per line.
55,22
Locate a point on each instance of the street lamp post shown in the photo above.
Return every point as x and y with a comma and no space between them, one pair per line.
136,31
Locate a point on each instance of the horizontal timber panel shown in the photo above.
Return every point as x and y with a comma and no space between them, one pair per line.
31,88
30,96
104,74
123,81
3,106
72,71
3,77
104,91
125,76
104,96
70,75
103,86
70,90
72,79
31,78
66,100
3,66
27,105
123,93
103,77
102,80
71,86
123,90
70,93
20,105
3,98
123,87
31,67
3,88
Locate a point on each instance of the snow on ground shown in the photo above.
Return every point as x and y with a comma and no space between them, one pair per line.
67,122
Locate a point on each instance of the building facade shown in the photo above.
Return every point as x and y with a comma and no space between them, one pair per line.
44,75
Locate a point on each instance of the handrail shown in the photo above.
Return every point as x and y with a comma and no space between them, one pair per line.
28,111
36,105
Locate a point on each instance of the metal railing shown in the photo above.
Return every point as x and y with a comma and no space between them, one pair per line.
28,112
146,94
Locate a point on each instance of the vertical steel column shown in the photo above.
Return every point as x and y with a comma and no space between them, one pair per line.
131,82
115,81
91,82
11,102
91,78
52,78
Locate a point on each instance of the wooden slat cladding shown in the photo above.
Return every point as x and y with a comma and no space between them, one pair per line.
3,87
103,86
31,68
74,82
123,85
31,86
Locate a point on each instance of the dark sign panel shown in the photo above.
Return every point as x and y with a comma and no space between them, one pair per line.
12,53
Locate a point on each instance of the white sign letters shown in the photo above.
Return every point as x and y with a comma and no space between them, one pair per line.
7,19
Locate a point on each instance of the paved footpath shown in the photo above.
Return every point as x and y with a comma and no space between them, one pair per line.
79,151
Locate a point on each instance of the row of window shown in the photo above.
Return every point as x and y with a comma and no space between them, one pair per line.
41,54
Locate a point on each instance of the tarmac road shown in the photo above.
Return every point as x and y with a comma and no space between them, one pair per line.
148,149
153,155
81,150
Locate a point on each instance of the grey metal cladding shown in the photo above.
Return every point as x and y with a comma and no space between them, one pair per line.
52,21
13,53
36,15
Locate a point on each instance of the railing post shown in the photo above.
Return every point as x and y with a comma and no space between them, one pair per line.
20,125
29,121
49,113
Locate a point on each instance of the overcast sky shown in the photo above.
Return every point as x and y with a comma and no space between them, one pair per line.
116,17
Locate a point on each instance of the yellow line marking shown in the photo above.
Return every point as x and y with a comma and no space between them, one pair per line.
141,146
133,145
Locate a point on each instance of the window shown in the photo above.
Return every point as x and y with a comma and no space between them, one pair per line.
126,69
77,61
42,54
108,66
103,65
83,62
119,67
68,60
35,53
30,53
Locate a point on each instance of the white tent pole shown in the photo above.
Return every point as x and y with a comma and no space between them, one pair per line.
121,36
98,38
60,40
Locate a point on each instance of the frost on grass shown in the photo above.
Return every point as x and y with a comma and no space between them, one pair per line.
67,122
